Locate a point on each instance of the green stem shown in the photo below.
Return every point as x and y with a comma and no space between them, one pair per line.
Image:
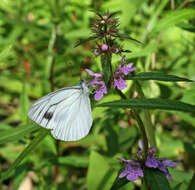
147,119
51,57
142,129
140,124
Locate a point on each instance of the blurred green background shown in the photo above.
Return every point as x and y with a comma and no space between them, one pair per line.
38,35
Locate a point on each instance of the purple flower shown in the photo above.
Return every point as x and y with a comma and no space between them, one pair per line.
119,82
96,52
100,91
151,161
122,70
132,170
97,82
163,163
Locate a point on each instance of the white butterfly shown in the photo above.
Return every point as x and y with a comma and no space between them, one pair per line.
67,112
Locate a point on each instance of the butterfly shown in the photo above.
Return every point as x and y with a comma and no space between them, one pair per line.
66,112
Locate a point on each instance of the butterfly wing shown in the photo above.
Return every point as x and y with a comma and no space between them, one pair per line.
77,122
67,112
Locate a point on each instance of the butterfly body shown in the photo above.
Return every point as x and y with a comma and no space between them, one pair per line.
66,112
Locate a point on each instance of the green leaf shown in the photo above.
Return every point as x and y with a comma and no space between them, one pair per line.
5,53
185,26
177,187
192,183
100,175
125,36
20,174
147,50
119,182
155,179
157,76
76,161
85,40
16,133
24,103
174,17
151,103
40,136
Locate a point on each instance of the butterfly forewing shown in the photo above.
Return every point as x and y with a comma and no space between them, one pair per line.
67,112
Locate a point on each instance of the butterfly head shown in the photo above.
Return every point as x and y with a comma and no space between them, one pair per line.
84,86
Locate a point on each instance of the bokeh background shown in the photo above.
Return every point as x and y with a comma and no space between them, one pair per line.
37,40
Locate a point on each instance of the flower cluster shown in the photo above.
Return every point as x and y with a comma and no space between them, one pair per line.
134,168
105,25
105,29
118,82
122,70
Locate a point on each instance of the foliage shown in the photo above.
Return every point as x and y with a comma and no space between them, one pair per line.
38,54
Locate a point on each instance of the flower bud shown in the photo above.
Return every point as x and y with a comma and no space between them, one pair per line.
104,47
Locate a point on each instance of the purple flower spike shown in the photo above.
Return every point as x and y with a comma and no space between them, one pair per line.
104,47
132,170
97,82
122,70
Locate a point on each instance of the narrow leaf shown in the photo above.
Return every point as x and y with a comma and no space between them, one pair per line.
152,103
85,40
125,36
185,26
119,182
100,175
174,17
16,133
40,136
157,76
156,180
76,161
192,183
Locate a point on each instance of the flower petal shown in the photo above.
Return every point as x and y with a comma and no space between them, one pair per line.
169,163
122,160
123,173
91,73
151,162
132,177
98,94
96,52
120,83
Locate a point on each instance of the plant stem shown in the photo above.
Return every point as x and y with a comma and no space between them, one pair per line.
142,128
140,124
147,119
51,58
